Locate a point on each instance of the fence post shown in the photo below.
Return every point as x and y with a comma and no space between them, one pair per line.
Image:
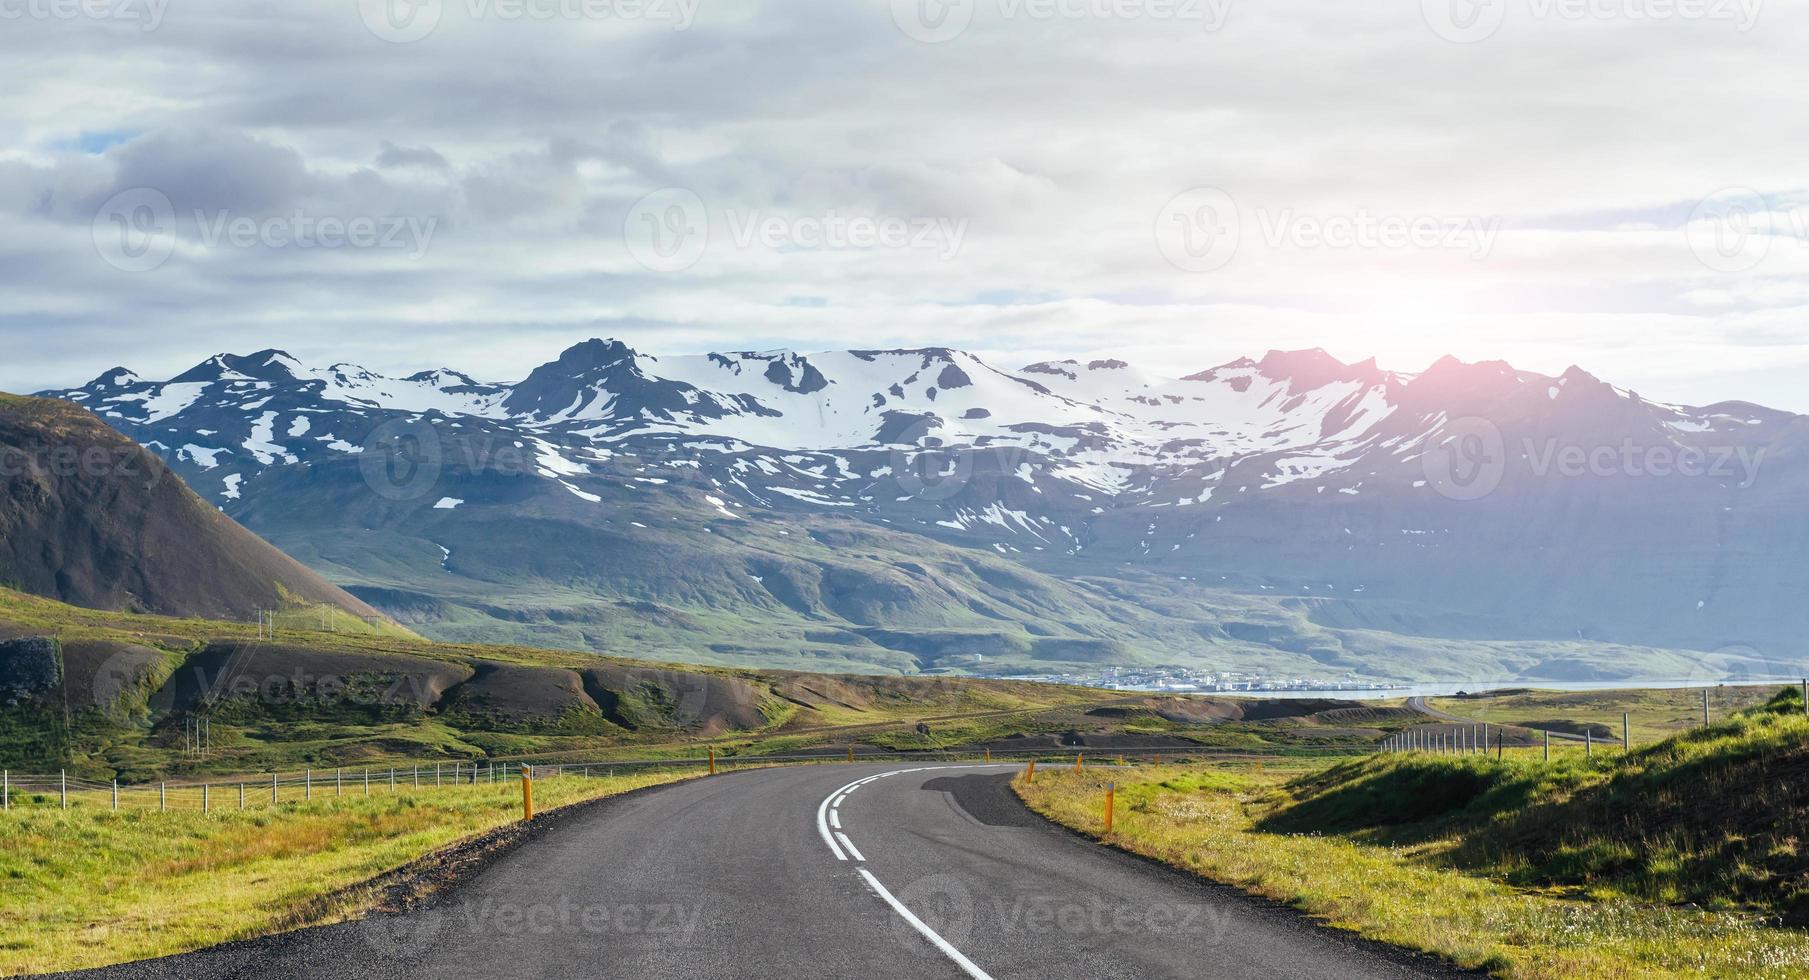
241,796
1548,745
307,784
116,796
1588,742
436,775
273,790
1705,721
392,779
1626,737
63,789
367,780
6,790
338,782
1111,794
1806,697
1500,745
207,799
417,775
163,797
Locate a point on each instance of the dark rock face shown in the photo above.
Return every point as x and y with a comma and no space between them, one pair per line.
29,667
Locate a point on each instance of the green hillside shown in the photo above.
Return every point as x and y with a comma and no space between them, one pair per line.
1711,817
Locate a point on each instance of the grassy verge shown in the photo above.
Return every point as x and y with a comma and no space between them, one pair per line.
1653,714
1678,860
89,887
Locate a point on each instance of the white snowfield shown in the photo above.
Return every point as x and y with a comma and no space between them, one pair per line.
1102,426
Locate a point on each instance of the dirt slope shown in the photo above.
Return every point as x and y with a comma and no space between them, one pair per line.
90,518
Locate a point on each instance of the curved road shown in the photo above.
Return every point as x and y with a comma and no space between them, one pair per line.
868,871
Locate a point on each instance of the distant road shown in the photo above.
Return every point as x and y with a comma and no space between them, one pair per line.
855,871
1419,704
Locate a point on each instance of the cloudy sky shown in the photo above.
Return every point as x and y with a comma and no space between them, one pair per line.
479,183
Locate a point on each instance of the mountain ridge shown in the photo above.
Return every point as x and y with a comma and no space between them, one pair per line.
1293,489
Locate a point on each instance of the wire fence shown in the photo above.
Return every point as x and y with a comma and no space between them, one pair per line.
232,793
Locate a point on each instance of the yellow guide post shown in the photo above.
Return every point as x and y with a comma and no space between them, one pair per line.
1078,760
527,792
1030,772
712,760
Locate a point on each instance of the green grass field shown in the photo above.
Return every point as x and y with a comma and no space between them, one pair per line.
1680,859
87,887
1652,714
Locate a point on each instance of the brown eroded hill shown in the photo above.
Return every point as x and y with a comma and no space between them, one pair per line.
90,518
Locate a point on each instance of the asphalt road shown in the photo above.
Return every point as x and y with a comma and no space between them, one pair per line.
868,871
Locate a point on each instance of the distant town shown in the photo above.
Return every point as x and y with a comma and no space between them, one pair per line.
1188,680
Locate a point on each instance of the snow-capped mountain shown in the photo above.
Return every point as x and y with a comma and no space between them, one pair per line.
1469,500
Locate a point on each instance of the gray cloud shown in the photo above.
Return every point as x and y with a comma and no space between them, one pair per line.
1056,142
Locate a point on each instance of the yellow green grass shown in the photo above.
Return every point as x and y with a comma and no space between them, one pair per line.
1679,860
1653,714
88,887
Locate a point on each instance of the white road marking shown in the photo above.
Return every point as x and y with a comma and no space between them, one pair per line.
823,821
940,943
828,813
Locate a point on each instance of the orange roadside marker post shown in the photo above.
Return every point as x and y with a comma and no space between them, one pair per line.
1078,758
1030,771
527,793
712,760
